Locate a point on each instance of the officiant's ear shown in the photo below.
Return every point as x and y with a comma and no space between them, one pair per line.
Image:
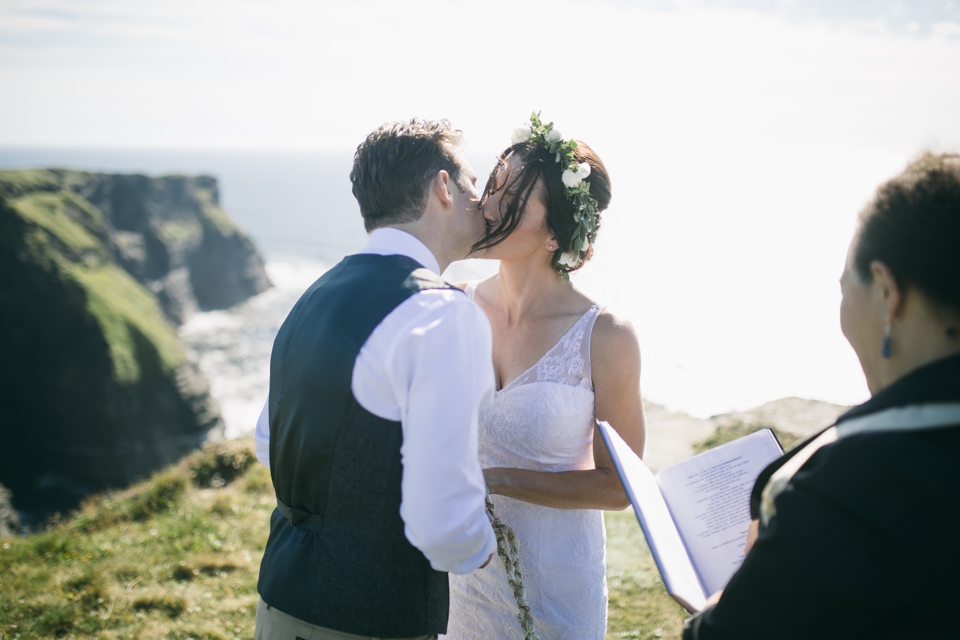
888,293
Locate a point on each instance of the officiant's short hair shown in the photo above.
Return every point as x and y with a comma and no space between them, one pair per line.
393,167
913,226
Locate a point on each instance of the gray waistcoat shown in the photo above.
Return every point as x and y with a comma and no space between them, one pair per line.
337,556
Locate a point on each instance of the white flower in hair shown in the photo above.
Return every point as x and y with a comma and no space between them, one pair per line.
567,259
573,176
521,134
584,207
571,179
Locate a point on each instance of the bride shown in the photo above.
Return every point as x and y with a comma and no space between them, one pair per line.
561,361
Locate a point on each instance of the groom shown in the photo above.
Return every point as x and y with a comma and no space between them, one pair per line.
376,381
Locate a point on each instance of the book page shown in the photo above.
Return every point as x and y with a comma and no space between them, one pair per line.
664,541
709,498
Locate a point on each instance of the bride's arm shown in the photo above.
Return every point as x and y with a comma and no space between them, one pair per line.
615,359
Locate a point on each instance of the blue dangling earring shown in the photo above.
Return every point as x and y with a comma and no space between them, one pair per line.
885,346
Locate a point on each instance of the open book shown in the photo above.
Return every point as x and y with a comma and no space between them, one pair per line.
695,514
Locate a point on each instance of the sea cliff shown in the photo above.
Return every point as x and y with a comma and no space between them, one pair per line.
95,271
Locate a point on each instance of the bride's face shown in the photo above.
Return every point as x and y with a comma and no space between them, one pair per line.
532,237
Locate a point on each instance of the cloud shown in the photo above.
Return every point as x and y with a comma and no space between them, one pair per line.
291,74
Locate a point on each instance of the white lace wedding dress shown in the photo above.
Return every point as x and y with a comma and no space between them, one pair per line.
543,420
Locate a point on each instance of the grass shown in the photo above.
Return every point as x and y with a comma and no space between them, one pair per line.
58,215
17,182
62,237
725,433
639,606
127,313
177,557
174,232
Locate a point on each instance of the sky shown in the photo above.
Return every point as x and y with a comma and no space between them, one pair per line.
742,136
289,74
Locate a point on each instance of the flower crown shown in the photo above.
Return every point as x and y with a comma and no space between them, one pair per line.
586,210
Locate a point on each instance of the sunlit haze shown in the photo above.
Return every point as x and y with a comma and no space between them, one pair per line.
742,138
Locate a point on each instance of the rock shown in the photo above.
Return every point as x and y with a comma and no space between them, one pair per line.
671,435
9,519
96,387
799,416
172,235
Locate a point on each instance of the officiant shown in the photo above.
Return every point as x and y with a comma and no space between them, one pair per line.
858,525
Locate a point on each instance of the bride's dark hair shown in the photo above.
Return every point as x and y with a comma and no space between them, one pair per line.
538,163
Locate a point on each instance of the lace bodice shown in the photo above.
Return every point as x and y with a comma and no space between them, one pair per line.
544,421
568,362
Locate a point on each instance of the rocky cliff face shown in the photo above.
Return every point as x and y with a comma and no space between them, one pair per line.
171,234
9,519
95,387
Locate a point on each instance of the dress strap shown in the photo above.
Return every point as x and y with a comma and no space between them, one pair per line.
590,321
470,289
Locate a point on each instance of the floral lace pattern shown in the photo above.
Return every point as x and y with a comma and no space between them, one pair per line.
543,420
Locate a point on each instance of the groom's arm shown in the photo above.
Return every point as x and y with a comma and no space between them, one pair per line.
442,373
261,435
429,366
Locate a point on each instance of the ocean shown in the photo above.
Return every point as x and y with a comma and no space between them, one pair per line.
725,261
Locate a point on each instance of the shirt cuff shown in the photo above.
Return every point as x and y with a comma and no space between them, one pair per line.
473,562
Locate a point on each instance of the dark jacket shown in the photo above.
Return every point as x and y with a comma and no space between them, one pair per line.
864,543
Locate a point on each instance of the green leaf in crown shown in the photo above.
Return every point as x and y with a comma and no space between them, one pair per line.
586,211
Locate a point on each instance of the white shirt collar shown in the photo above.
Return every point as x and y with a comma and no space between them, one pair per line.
387,241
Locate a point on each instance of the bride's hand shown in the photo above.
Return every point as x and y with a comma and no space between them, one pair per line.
493,479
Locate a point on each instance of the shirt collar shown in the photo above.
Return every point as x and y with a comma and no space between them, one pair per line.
387,241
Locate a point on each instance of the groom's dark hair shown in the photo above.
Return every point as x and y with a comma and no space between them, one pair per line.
393,167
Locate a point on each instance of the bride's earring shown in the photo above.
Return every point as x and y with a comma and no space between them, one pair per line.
552,247
885,344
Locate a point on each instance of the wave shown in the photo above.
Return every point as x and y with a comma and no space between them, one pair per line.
232,346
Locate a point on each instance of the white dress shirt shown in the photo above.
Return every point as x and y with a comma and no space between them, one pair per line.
429,365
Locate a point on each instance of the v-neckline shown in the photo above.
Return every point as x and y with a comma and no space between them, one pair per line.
548,351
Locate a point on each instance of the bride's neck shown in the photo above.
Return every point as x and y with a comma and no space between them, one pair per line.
523,289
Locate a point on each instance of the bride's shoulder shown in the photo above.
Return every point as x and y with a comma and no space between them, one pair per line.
614,338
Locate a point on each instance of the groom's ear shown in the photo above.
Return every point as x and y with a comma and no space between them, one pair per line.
440,186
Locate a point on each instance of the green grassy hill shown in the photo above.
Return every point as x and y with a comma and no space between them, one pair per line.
177,557
98,387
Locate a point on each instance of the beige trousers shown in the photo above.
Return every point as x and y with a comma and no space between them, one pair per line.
276,625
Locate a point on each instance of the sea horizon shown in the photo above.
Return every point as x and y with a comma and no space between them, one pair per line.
706,349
